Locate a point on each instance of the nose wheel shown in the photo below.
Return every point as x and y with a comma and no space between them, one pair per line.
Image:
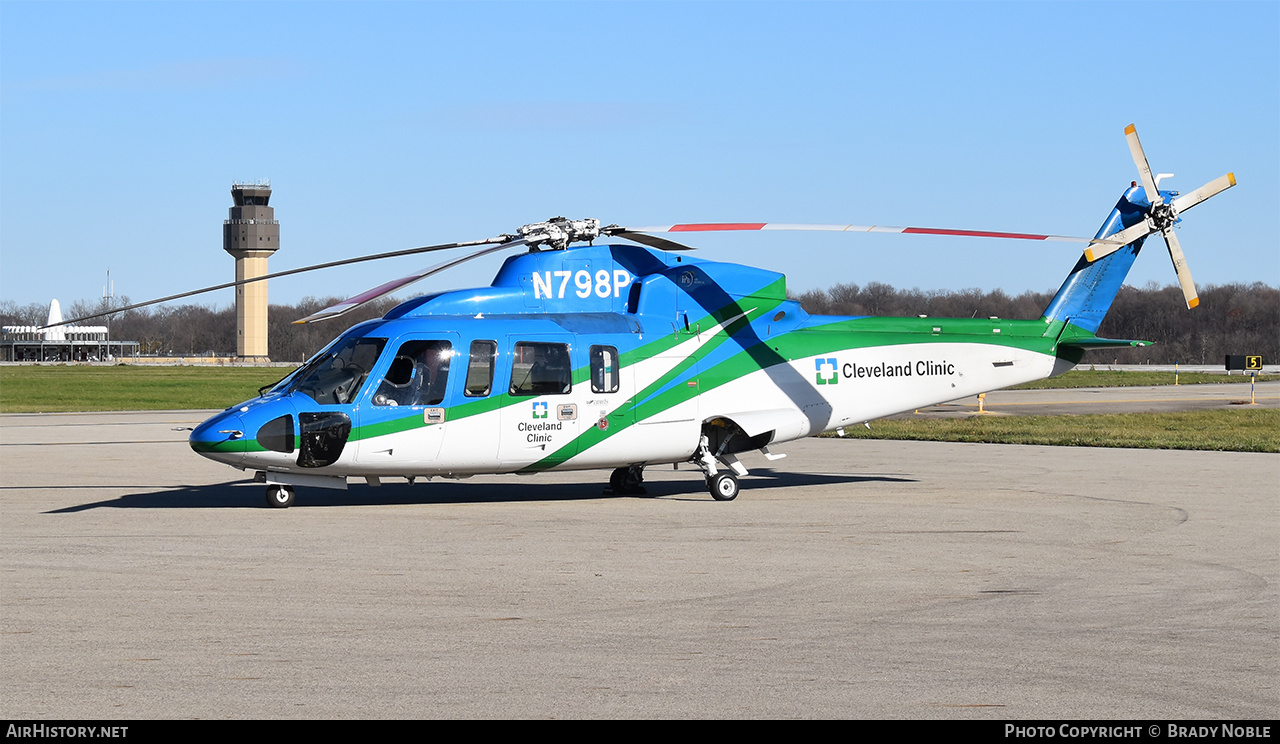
279,496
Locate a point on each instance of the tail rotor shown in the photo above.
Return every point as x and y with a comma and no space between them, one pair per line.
1161,217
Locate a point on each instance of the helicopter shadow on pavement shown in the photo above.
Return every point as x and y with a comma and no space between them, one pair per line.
248,494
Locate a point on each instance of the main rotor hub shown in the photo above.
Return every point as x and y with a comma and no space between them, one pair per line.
558,232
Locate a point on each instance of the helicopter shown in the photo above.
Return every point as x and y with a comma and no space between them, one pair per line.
625,355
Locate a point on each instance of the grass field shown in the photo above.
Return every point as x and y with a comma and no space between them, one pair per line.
29,389
1077,378
1239,429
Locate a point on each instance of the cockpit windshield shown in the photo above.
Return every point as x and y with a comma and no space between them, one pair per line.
286,384
336,375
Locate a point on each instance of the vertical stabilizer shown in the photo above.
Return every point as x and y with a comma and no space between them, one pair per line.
1089,290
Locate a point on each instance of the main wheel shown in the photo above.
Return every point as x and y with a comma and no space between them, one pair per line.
723,486
279,496
626,481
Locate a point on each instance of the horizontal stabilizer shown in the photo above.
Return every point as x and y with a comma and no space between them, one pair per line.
1073,335
1103,343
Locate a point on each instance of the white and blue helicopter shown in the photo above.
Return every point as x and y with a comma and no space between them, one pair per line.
622,356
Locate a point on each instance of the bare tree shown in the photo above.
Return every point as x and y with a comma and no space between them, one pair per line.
1231,319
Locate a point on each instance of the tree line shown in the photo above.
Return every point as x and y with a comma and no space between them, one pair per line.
1231,319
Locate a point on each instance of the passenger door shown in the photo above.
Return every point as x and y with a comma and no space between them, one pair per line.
541,426
606,408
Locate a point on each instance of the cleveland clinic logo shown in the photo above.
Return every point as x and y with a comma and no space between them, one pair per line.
827,372
539,409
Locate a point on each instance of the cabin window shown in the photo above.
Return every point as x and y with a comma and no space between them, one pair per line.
418,375
480,368
541,369
604,369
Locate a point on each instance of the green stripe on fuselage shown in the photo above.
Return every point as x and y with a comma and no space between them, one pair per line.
765,299
856,333
1039,336
645,404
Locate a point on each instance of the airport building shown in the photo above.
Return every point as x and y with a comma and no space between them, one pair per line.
250,234
69,343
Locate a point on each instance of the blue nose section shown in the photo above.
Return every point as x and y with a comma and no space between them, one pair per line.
222,438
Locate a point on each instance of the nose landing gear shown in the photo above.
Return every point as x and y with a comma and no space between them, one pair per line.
279,496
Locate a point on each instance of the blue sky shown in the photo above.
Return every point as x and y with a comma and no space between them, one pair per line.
386,126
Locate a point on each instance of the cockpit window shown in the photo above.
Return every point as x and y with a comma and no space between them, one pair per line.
336,376
288,383
418,375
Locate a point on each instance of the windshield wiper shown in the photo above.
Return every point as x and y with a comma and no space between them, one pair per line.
262,390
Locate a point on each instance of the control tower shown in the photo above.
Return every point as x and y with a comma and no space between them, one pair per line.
251,234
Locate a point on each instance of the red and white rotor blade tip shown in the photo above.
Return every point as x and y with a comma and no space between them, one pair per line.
768,226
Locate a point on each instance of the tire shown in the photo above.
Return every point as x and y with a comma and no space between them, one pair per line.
723,486
624,481
279,496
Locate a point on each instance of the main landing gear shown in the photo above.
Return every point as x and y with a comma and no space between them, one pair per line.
717,455
626,481
279,496
723,486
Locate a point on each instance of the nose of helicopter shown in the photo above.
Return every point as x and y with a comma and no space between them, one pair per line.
222,438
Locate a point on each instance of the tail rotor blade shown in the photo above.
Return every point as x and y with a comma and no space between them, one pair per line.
1116,241
1180,267
1213,188
1144,170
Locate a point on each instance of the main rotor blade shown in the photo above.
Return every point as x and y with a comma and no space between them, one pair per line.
1180,267
382,290
265,277
653,241
1213,188
1144,170
729,226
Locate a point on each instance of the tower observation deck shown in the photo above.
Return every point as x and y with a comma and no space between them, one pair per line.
251,234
